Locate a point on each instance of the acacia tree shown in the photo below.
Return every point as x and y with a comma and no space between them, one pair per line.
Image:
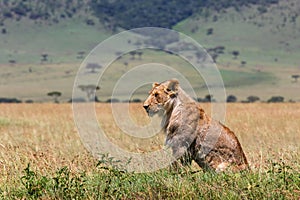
243,63
80,54
276,99
132,53
295,76
231,99
235,54
139,53
93,67
44,57
55,95
90,91
253,99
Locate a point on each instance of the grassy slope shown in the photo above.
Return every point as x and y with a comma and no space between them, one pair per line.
258,46
260,38
268,47
26,41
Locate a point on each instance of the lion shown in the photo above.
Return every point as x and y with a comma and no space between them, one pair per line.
191,133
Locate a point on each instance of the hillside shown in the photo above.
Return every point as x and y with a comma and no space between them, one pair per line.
262,35
43,44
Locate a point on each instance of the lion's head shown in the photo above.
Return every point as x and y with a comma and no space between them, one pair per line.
161,96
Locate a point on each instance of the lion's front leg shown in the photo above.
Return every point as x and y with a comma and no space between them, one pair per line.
182,149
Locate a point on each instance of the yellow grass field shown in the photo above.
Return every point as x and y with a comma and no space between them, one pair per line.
45,136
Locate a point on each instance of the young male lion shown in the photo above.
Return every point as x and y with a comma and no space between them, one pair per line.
191,134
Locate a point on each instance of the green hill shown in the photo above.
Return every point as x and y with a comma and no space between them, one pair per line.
267,37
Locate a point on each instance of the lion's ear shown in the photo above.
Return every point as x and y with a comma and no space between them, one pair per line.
173,85
155,84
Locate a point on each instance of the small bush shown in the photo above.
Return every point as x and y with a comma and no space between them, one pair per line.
10,100
210,31
34,185
276,99
252,99
231,99
64,185
113,100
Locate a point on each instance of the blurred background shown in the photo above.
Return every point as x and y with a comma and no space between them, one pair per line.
255,45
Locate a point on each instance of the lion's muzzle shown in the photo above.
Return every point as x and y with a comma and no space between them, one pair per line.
146,108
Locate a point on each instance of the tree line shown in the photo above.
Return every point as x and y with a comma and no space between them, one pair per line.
118,14
160,13
89,89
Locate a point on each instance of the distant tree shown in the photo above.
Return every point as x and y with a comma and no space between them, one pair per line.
215,52
3,31
90,22
276,99
77,100
219,49
12,62
126,64
231,99
90,91
139,53
210,31
214,57
132,53
295,76
29,101
44,57
199,99
114,100
8,14
10,100
208,98
235,54
80,54
194,29
243,63
262,9
93,67
55,95
215,18
252,99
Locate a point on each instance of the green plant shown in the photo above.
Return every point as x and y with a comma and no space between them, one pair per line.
34,184
69,186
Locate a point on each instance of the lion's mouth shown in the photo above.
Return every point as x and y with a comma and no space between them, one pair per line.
150,112
153,111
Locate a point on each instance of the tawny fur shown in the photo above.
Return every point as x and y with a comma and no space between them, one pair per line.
191,133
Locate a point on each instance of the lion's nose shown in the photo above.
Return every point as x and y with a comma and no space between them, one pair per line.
146,107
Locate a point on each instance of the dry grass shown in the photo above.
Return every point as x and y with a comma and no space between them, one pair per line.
267,132
45,136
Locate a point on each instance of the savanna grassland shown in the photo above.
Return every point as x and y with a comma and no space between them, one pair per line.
42,157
